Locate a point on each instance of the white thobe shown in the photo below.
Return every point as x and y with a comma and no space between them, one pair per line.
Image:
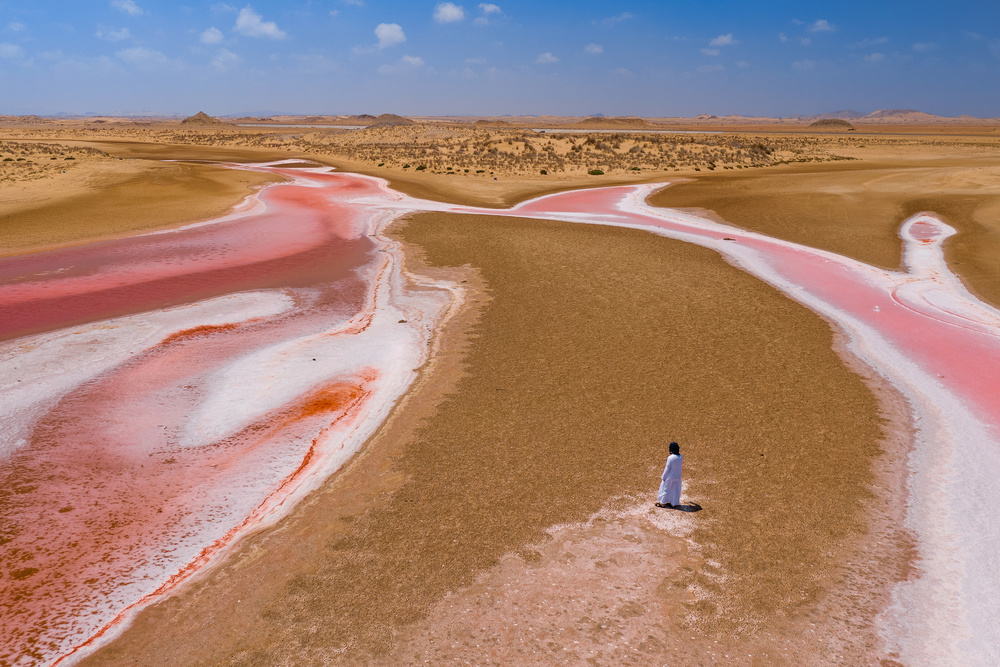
670,485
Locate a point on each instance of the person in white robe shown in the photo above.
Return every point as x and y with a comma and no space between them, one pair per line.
670,481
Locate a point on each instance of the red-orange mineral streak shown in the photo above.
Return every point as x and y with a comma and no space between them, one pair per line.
331,404
197,332
84,521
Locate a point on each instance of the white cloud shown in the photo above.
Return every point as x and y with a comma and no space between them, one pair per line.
782,37
221,7
389,34
875,57
710,52
354,3
448,12
142,57
709,69
546,58
112,35
488,9
723,40
405,64
127,6
822,25
624,16
66,63
924,47
743,64
621,71
16,26
594,49
475,61
805,41
211,36
225,60
251,24
10,51
865,43
804,65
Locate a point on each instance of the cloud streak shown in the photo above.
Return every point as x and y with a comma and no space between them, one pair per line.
252,24
225,60
488,9
211,36
448,12
389,34
143,58
112,35
127,6
624,16
10,51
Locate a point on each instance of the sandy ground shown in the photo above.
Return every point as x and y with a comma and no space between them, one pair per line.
108,197
594,347
855,208
503,513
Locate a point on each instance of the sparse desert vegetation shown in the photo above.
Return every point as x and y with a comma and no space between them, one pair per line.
487,150
483,151
27,161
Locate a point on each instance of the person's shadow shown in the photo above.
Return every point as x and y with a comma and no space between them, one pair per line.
689,507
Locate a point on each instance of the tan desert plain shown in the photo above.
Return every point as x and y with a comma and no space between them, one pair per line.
796,454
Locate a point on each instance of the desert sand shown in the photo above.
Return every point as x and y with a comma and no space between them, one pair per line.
511,489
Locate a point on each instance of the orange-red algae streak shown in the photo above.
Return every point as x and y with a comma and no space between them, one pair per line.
91,520
334,402
195,332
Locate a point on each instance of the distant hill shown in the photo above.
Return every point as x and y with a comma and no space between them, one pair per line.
201,118
831,124
614,123
391,120
912,116
845,114
901,116
25,120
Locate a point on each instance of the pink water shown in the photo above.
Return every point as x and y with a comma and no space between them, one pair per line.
166,393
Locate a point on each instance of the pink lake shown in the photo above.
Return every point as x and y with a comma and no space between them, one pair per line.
164,394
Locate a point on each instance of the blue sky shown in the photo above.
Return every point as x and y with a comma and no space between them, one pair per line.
502,57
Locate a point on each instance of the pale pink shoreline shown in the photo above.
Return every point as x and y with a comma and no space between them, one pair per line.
245,367
939,346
